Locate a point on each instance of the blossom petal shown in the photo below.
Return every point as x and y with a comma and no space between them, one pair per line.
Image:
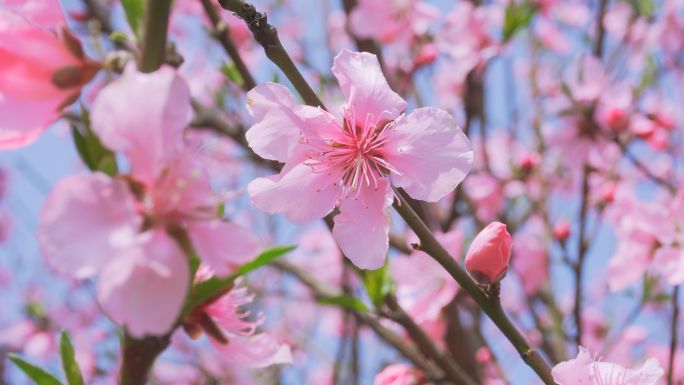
144,288
223,245
365,87
23,121
300,193
85,220
430,152
257,351
143,116
575,371
278,121
362,227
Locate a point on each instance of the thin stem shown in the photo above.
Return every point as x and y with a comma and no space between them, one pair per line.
601,30
581,252
153,45
673,335
320,291
266,35
222,34
491,306
139,356
454,372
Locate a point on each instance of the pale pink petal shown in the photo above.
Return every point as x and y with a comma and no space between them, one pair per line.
144,288
183,186
398,374
375,20
222,245
609,373
43,13
85,220
430,152
23,121
362,227
30,58
257,351
277,127
669,261
143,116
300,193
422,289
231,312
365,88
575,371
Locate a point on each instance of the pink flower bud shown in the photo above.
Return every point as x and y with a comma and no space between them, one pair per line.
489,254
427,55
561,231
529,160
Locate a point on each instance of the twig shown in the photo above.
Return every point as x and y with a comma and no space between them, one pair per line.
601,30
491,306
222,34
156,25
581,253
453,370
266,35
139,356
673,335
320,291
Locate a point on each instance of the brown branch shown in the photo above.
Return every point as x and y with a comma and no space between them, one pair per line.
266,35
221,33
581,253
320,291
673,335
490,305
453,371
139,356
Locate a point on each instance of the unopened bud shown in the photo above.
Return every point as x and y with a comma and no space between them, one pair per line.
561,231
489,255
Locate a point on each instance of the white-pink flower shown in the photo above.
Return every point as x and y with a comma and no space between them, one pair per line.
350,160
118,227
587,370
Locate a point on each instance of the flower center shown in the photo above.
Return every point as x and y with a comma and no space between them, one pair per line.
358,153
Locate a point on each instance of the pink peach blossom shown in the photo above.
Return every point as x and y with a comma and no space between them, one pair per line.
349,162
116,227
240,342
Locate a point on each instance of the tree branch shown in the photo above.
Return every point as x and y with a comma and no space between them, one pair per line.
491,306
266,35
156,24
139,356
673,335
320,292
222,34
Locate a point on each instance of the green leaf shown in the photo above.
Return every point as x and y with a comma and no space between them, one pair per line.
214,287
231,71
134,14
378,284
644,8
517,17
649,75
69,365
344,301
90,149
38,375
